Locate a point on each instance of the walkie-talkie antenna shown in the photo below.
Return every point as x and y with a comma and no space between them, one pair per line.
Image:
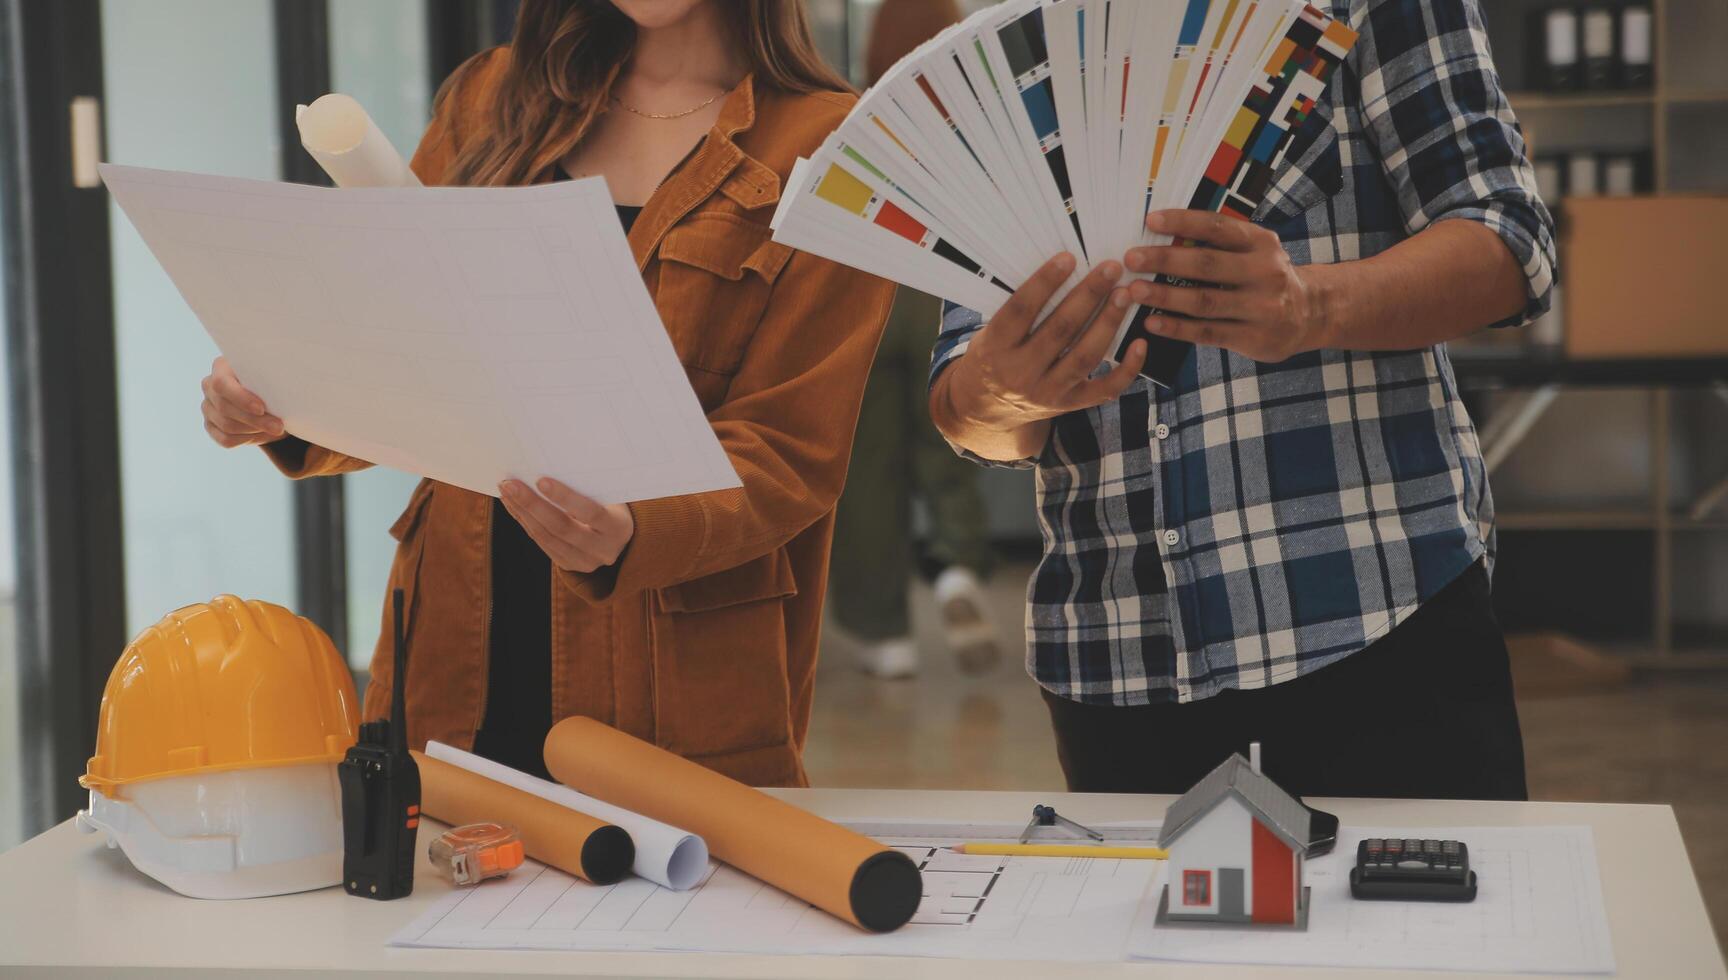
398,703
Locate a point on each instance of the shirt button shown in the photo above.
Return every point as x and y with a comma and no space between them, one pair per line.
1162,432
1171,538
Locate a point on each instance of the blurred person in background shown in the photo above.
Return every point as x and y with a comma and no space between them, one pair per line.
899,457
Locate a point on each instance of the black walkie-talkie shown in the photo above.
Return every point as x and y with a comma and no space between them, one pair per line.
381,796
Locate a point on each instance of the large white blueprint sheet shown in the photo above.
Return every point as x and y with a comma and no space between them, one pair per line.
974,907
464,334
1538,909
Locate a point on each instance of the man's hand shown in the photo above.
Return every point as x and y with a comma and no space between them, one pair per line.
578,534
1260,305
1014,376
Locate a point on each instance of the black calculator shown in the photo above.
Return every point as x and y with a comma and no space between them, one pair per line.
1413,870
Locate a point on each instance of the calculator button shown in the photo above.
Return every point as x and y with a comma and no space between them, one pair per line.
1431,846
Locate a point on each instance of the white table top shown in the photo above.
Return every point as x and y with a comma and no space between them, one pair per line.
70,907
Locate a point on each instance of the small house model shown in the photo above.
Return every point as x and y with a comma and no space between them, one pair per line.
1236,842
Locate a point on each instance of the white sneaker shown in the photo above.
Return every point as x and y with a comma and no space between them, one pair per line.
889,660
965,624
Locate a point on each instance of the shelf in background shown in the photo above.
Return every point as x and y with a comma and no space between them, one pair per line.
1601,520
1531,100
1696,97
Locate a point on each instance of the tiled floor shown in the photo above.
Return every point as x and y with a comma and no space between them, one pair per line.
1659,739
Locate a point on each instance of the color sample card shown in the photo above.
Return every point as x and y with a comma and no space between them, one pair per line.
1285,83
1037,127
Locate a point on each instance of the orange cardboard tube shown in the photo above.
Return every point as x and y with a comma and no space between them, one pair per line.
552,834
835,869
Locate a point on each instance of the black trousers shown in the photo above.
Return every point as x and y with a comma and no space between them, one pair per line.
1424,712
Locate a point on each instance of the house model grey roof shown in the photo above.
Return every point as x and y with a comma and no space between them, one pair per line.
1282,813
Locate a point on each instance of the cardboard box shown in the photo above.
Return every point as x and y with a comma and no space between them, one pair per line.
1646,276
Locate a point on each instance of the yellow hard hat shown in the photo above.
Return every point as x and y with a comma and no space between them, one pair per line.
222,685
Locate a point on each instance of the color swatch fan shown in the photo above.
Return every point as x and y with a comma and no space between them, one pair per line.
1044,126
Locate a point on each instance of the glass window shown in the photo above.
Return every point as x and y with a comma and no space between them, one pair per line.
191,86
378,55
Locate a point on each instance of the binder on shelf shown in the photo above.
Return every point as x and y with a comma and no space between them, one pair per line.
1550,179
1625,174
1637,33
1597,46
1583,175
1554,51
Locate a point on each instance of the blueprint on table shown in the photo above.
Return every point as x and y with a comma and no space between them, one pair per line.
974,907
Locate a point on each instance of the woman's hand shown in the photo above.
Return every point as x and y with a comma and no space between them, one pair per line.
1260,306
578,534
234,416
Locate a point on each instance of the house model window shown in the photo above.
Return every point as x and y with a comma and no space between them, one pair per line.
1196,888
1236,843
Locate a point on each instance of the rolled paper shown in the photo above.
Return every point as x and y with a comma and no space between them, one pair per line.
842,872
556,835
665,855
345,141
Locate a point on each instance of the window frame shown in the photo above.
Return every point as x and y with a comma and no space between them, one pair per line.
59,328
1196,882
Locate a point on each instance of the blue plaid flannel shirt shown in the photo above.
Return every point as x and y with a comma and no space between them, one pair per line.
1260,521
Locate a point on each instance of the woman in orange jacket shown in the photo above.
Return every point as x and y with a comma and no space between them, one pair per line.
688,621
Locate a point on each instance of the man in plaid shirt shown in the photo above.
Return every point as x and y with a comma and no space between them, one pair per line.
1292,544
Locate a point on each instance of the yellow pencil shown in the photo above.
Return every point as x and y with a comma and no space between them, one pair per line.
1064,851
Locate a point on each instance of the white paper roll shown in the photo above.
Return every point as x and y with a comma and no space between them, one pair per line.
345,141
665,855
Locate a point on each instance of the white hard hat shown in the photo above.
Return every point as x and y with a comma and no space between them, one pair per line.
245,833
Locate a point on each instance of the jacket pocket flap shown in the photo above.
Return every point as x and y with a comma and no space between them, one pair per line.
719,243
768,577
752,185
411,514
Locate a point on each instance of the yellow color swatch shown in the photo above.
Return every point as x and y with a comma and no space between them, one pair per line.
1223,22
840,187
1241,128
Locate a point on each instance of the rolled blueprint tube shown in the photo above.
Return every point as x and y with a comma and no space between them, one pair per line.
551,834
667,856
345,141
837,870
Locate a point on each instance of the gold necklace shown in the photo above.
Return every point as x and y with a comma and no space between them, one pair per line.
627,107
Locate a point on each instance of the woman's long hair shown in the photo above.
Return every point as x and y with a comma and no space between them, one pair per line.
567,53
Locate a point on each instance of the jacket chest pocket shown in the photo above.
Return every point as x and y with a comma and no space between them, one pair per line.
716,273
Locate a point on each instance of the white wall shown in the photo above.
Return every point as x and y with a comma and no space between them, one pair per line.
190,85
1222,839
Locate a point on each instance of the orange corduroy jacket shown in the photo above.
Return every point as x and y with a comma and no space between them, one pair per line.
702,638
